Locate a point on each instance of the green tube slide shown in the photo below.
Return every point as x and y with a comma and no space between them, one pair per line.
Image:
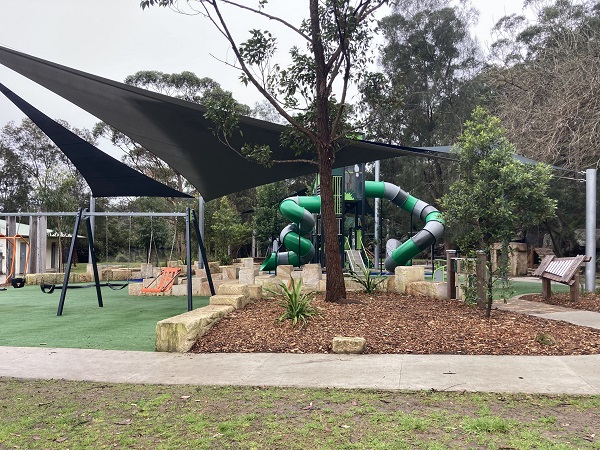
299,210
434,223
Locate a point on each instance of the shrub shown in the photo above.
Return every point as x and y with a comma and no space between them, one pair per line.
297,304
369,282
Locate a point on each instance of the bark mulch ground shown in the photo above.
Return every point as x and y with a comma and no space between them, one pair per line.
394,323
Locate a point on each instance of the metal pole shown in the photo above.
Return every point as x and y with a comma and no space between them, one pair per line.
63,292
201,229
377,235
96,214
188,255
92,222
590,229
203,251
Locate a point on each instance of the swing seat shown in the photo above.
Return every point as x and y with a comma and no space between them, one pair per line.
165,280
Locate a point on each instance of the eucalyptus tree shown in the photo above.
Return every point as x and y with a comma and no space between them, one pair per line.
546,63
55,183
311,93
428,85
14,185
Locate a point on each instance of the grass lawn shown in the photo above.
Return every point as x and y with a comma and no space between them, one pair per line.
124,323
58,414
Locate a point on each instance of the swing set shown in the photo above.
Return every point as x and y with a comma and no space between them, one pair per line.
84,214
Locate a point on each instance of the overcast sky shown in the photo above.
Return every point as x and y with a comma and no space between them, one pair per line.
115,38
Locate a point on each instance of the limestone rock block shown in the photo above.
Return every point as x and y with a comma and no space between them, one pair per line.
180,290
390,284
135,288
407,274
230,272
233,289
237,301
311,274
175,263
345,345
322,287
119,274
248,262
247,275
435,290
200,273
146,270
255,292
284,271
178,334
352,285
183,268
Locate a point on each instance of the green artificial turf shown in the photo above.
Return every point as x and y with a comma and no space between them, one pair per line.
28,318
535,287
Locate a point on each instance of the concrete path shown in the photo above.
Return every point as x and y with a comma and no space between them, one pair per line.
526,374
576,316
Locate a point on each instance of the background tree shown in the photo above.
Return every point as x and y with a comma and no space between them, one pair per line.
56,184
545,93
228,231
268,222
496,195
310,93
428,87
14,185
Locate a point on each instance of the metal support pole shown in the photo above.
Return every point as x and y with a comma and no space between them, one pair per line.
92,251
188,255
203,251
590,229
200,230
63,291
93,221
377,235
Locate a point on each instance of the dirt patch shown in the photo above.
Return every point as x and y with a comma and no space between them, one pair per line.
393,323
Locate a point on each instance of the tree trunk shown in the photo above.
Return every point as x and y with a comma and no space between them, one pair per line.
490,286
335,288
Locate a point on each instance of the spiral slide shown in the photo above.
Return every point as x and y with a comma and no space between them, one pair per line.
300,210
434,223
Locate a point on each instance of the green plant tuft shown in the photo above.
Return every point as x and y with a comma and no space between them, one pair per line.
545,339
297,304
369,282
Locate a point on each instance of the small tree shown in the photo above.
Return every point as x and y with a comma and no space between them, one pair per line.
496,195
229,233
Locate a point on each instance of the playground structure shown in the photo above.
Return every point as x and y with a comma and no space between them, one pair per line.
301,211
83,215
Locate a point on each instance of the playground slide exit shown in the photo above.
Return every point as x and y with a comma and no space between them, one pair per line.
300,210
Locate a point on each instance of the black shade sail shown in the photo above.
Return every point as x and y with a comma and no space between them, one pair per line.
106,176
178,132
